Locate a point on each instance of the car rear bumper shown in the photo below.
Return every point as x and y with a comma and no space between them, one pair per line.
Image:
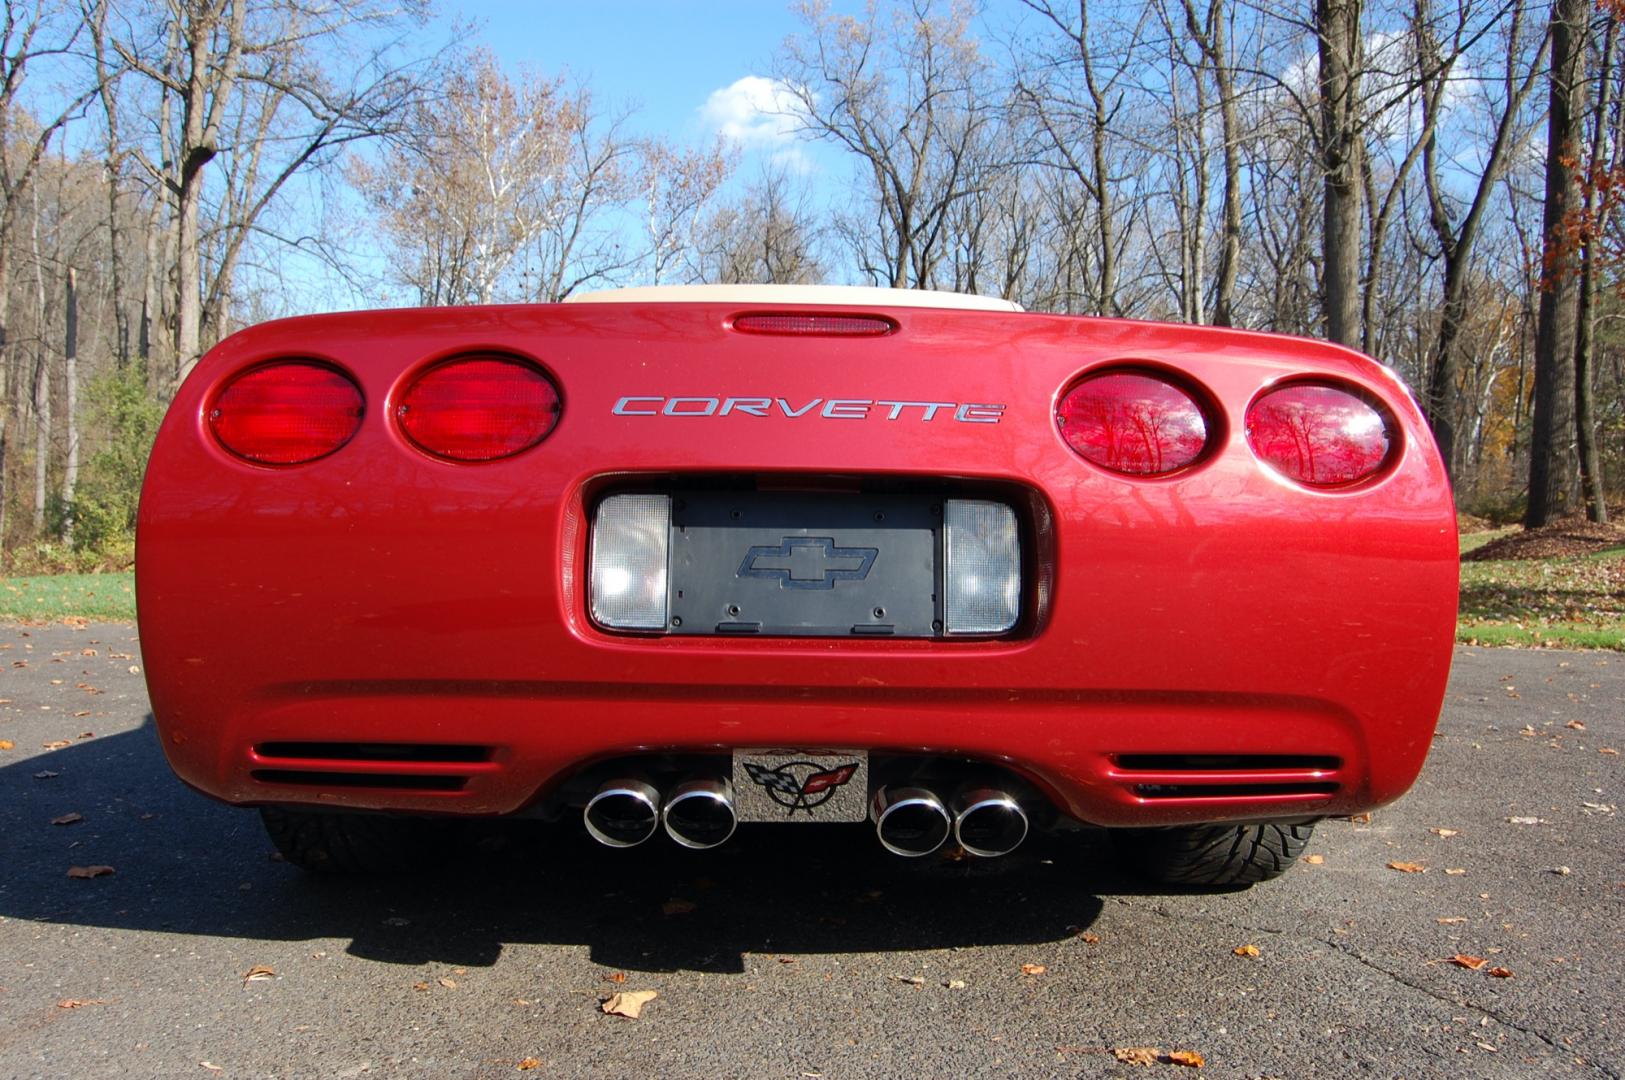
379,597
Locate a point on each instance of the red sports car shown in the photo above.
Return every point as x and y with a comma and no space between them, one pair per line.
674,559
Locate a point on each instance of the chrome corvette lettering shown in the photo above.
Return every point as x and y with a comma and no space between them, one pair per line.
930,407
623,407
836,409
968,412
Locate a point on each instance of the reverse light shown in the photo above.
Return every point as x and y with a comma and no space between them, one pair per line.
479,408
1320,434
287,412
981,567
630,538
1133,422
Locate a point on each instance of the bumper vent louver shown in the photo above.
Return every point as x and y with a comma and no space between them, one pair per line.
1228,776
421,767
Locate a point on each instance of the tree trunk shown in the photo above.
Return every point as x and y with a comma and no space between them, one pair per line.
70,400
1337,23
1585,421
1553,470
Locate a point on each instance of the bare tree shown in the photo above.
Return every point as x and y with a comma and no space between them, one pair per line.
1521,70
907,97
275,87
30,33
1553,470
769,236
1342,149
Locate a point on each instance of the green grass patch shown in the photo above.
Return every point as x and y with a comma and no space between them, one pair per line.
1569,602
61,596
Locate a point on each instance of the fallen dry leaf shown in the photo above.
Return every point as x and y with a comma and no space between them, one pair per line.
89,871
616,977
56,744
1089,939
1314,860
1033,969
1408,867
1455,871
1526,821
1246,950
1188,1058
1451,920
1500,973
915,981
526,1064
449,984
1528,730
1471,963
955,984
7,744
68,819
420,986
629,1003
1575,725
1445,832
258,973
1606,750
1361,819
1137,1055
211,1066
78,1003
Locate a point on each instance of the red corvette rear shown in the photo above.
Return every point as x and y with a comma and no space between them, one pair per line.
684,563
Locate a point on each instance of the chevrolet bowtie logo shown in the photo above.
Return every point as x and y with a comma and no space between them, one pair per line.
808,562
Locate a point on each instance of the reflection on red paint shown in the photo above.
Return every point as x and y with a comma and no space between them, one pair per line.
1132,422
1319,435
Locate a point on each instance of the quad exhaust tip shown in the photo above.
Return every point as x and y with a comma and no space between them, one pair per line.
700,814
988,822
624,813
910,821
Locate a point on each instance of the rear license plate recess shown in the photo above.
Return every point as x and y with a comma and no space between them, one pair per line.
805,565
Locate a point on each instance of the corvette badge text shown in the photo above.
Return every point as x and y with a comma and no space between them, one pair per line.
826,408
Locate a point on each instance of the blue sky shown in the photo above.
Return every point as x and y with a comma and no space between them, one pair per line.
666,57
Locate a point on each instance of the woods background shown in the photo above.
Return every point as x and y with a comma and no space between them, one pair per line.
1437,184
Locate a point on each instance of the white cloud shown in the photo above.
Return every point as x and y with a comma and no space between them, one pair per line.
754,112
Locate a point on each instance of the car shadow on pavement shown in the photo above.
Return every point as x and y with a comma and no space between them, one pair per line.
183,864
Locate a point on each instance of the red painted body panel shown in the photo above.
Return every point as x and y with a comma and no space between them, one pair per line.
380,595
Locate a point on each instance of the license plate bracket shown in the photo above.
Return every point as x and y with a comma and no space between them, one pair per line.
805,565
801,785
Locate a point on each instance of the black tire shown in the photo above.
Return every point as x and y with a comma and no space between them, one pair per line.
1213,854
330,842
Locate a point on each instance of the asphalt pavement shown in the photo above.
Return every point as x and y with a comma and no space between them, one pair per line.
808,951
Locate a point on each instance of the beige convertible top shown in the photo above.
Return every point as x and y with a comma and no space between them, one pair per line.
833,295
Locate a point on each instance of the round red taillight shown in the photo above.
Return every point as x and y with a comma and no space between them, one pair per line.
287,413
1133,422
1319,434
479,408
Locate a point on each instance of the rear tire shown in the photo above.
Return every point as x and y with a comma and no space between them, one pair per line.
1213,854
329,842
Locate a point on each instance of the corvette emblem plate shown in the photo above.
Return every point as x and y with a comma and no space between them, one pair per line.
801,785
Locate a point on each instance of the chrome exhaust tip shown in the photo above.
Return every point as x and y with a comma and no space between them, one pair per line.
699,814
910,821
988,822
624,813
